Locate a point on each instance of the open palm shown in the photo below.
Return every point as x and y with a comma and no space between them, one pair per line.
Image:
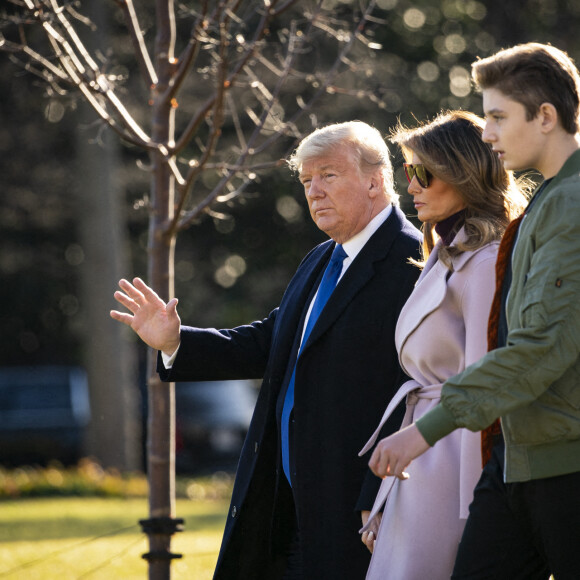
156,322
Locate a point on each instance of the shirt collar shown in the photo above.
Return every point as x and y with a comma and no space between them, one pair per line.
353,246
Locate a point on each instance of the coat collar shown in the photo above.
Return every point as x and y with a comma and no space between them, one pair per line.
359,273
458,262
430,289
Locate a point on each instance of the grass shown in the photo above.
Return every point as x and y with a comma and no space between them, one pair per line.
99,538
72,538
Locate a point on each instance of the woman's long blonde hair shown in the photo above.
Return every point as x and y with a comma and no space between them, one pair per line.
452,149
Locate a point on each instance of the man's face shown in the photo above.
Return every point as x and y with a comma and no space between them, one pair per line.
519,143
342,200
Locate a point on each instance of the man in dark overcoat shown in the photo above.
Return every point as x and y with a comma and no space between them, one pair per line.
301,488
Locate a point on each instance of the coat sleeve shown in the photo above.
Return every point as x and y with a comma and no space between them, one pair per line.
211,354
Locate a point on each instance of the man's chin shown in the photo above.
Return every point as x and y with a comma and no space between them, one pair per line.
326,225
507,164
511,165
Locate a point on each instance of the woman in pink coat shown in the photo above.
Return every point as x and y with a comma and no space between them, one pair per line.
465,199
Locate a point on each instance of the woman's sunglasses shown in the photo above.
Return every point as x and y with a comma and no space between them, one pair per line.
419,171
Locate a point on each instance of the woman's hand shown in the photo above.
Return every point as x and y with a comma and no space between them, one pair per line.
393,454
369,538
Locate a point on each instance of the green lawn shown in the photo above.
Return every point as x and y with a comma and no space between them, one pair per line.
100,539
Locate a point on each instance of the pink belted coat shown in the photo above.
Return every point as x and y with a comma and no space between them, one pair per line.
441,330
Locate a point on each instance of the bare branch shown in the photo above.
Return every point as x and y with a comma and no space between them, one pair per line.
269,98
191,215
59,11
76,72
239,64
126,117
188,56
327,80
215,133
141,53
9,46
175,171
250,50
100,85
236,120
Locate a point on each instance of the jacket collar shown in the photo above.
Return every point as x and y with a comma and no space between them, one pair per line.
571,167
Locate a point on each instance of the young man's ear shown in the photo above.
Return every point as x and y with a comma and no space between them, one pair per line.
548,117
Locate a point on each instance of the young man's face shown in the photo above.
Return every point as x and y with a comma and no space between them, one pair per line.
519,143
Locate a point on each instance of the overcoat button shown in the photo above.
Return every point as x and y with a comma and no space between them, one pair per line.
234,511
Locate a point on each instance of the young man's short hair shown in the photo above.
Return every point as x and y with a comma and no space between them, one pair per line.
532,74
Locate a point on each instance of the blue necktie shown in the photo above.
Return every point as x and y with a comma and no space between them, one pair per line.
329,280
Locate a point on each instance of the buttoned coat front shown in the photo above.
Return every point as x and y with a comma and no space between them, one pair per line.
347,372
441,330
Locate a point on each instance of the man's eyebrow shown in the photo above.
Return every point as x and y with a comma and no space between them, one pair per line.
332,167
493,111
321,168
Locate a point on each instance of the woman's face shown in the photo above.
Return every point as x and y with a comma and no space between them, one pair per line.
436,202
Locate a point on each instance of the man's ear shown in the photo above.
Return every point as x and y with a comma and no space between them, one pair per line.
374,186
548,117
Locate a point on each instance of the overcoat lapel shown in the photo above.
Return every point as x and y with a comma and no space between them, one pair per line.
429,291
294,307
360,272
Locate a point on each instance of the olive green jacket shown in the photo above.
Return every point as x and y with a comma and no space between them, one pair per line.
532,383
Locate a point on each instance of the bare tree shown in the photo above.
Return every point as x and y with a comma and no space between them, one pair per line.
227,86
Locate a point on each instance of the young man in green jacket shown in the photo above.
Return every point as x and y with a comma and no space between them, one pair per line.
524,522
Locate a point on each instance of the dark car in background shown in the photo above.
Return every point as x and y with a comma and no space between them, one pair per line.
43,414
212,420
45,410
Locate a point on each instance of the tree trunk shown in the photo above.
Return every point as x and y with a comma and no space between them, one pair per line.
161,421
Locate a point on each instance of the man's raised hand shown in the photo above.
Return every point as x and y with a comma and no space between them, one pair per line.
156,322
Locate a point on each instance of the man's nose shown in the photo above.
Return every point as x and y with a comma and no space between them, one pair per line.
315,189
488,136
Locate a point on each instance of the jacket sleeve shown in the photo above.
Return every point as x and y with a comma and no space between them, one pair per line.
543,341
